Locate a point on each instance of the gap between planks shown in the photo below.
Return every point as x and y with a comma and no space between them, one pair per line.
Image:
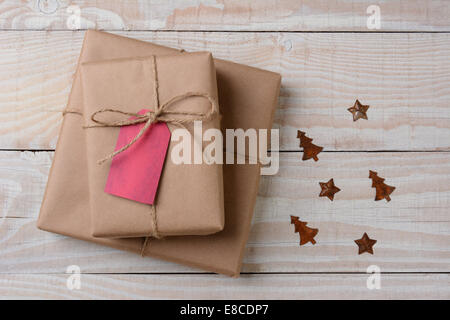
332,286
254,16
279,151
229,31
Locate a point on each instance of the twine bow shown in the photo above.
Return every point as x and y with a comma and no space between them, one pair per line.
161,113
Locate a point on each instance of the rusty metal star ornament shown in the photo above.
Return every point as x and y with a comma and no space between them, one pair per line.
359,110
328,189
365,244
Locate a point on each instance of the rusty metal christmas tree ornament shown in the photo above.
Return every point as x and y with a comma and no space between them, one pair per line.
328,189
382,190
306,234
310,150
365,244
359,111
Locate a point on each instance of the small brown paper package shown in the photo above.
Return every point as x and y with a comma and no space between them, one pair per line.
248,97
189,198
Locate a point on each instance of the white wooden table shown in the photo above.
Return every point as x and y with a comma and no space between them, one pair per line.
328,58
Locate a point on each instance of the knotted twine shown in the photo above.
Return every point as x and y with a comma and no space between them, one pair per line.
161,113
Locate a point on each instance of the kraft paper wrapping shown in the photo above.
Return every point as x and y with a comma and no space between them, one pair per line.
248,98
189,198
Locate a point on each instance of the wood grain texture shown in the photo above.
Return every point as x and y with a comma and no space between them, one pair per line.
226,15
413,230
304,286
405,78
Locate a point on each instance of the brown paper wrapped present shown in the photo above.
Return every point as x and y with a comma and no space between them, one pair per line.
189,198
248,97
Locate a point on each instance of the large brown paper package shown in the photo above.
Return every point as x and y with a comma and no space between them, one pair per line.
189,198
248,97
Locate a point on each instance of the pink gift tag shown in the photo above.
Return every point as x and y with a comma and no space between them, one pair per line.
134,173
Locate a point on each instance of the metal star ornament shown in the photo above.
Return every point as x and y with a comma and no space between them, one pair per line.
359,111
365,244
328,189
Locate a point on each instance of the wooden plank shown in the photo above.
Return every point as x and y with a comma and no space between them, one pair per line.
413,230
405,78
227,15
298,286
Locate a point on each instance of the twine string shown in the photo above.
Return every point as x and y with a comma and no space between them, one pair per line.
161,113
